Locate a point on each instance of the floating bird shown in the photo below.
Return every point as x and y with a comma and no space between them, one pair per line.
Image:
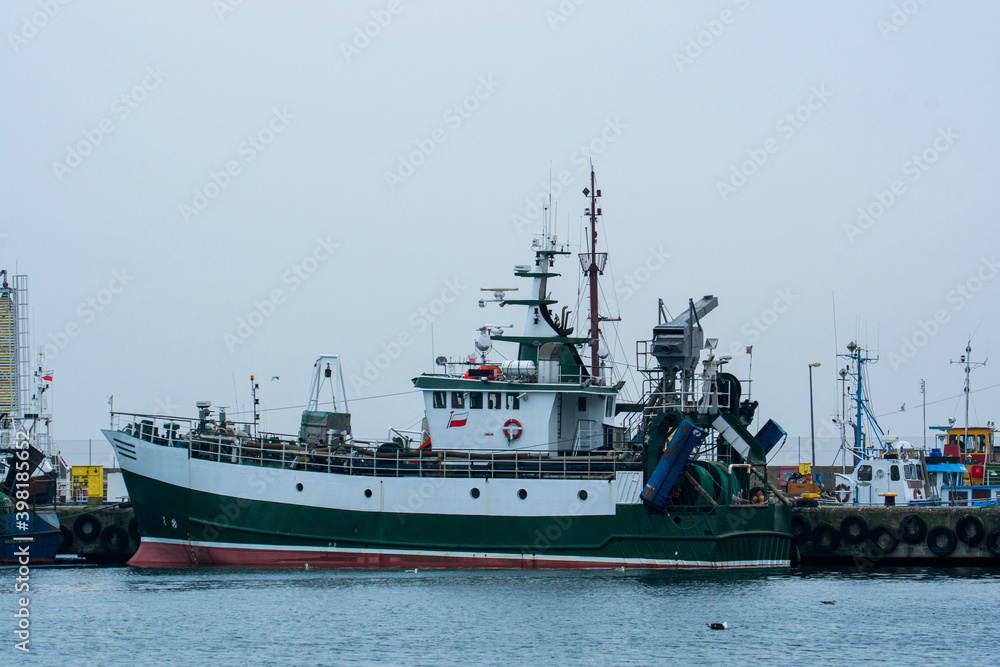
621,569
828,601
307,566
719,626
413,571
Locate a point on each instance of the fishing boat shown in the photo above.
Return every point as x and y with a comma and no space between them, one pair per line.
962,468
529,459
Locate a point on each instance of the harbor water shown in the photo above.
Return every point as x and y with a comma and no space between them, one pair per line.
126,616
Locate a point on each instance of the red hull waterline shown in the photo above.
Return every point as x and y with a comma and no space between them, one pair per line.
182,554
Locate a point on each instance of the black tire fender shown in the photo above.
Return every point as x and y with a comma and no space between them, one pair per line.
114,539
801,528
970,530
934,537
854,529
825,537
65,539
87,527
885,534
133,529
912,529
993,542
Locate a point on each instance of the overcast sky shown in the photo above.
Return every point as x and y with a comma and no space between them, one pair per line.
354,173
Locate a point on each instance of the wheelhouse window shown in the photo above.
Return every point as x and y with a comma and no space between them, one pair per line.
476,400
894,473
457,399
581,404
609,410
439,400
493,400
513,402
864,473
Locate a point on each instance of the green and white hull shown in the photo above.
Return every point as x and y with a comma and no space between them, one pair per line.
198,512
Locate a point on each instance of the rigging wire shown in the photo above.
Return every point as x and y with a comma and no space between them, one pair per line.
304,405
948,398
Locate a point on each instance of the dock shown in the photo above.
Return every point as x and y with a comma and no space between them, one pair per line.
100,533
873,536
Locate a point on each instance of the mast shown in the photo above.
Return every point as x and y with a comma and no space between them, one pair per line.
968,365
859,359
592,264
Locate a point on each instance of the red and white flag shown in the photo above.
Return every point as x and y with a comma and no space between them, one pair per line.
47,376
749,349
458,419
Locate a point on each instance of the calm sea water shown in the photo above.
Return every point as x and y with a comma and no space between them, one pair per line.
123,616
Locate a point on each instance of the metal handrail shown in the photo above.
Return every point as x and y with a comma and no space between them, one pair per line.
364,458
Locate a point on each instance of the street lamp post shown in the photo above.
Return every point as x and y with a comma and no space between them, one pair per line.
812,421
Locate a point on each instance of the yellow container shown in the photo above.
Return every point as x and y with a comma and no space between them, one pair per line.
87,484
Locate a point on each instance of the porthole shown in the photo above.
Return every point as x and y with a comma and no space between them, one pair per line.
522,494
368,493
299,487
474,493
582,495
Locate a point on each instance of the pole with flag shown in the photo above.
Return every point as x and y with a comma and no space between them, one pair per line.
750,372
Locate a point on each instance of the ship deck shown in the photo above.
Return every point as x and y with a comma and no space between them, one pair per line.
371,458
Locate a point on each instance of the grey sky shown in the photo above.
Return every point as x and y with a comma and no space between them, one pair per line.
228,162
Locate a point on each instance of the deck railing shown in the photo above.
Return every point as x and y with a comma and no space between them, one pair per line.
232,444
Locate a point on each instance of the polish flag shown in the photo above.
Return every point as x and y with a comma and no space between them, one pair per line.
459,419
47,376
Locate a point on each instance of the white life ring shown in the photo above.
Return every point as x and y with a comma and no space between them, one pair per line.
843,492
